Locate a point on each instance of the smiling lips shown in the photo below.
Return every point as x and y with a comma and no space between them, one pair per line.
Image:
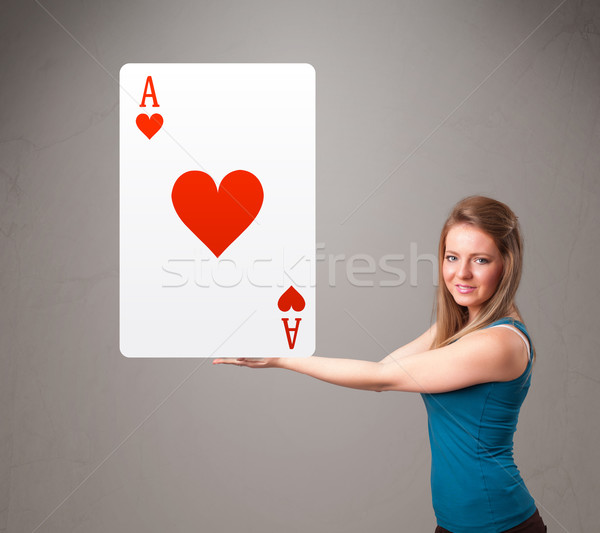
465,289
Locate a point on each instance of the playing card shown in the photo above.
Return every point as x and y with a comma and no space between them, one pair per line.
217,210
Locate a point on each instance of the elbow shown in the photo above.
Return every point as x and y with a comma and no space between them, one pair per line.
384,387
376,385
388,379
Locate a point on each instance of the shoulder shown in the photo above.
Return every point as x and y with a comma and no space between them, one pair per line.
432,330
499,347
428,336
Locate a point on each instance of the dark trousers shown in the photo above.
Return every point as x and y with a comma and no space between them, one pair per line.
534,524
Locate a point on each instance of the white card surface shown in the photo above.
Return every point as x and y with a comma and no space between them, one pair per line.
227,271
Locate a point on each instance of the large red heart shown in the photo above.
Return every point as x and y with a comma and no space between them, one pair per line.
149,125
217,217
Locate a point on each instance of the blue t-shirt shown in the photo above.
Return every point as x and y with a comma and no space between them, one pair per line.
475,484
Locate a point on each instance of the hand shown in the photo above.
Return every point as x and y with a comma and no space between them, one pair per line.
268,362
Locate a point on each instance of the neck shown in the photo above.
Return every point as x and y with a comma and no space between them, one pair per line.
472,315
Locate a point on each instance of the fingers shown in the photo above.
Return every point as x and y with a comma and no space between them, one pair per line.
241,361
227,361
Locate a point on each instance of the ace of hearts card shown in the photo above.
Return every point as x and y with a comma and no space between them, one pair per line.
217,210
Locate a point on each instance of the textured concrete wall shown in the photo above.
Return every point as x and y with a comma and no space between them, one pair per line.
419,103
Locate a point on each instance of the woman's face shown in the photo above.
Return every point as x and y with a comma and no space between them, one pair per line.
472,266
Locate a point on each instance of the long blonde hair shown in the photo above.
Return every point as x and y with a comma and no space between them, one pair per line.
497,220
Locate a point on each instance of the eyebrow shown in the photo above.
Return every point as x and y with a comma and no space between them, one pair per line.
477,253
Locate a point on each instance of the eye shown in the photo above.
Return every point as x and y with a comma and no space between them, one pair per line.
450,257
481,260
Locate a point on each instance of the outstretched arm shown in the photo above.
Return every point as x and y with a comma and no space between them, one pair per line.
494,354
365,375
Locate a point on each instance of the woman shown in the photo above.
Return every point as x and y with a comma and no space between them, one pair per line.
472,368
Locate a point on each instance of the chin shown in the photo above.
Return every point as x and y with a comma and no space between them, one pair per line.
465,301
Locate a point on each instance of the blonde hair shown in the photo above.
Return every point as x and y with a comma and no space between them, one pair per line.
499,222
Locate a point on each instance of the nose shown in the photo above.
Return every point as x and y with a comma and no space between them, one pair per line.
464,270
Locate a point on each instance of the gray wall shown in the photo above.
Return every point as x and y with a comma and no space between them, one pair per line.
419,103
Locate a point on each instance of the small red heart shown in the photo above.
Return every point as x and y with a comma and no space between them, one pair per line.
217,217
149,125
291,299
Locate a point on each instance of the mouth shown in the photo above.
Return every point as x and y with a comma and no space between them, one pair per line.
464,289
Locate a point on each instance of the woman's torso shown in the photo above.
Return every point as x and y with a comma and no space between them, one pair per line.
475,483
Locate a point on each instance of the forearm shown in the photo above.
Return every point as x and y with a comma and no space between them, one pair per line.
356,374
